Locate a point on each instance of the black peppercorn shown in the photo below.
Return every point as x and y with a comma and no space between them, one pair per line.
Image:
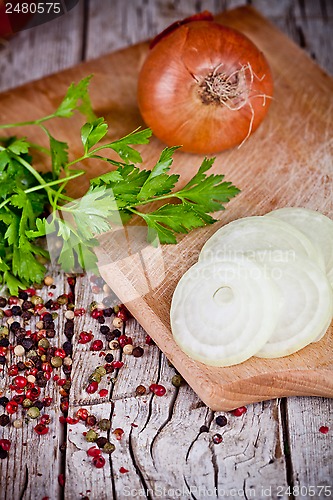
4,420
109,358
23,295
26,315
27,343
27,304
67,347
221,420
4,342
48,304
15,326
110,336
3,302
19,338
48,325
16,311
20,366
66,369
47,317
39,405
101,441
41,381
50,333
108,312
3,453
4,401
101,320
137,352
104,329
2,360
116,332
107,301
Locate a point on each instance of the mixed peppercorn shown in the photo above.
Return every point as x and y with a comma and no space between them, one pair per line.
39,363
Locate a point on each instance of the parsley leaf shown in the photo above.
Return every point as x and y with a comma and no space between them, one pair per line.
77,97
126,153
59,155
113,198
92,133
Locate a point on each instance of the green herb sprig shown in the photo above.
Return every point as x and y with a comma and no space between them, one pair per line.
25,193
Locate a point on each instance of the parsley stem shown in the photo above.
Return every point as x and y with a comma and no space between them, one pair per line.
54,183
23,124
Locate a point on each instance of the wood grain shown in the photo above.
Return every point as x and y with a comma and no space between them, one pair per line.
24,473
298,173
162,443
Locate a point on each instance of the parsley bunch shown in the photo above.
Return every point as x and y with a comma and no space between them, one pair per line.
34,204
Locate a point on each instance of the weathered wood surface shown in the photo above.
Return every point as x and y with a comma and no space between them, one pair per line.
296,174
252,453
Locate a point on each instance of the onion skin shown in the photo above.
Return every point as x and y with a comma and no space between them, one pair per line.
170,97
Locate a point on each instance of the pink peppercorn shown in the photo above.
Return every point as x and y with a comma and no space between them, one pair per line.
323,429
118,432
117,364
97,345
41,429
99,462
122,470
5,444
157,389
124,340
82,414
61,480
20,382
92,387
11,407
238,412
94,452
79,312
103,393
96,313
85,337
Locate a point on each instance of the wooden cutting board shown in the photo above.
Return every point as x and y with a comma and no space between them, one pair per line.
287,162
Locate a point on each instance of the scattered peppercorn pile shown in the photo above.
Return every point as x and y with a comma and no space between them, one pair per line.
35,364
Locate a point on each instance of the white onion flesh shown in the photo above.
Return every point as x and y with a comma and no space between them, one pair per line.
307,305
250,235
261,288
224,312
315,226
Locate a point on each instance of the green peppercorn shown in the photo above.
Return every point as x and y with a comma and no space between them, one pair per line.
62,300
104,424
36,300
1,314
4,332
31,354
109,448
95,377
33,412
54,315
177,380
56,361
27,403
93,306
91,436
101,370
44,343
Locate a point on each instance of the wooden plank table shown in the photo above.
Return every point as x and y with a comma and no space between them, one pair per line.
275,450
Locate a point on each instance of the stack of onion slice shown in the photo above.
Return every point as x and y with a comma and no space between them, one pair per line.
261,288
